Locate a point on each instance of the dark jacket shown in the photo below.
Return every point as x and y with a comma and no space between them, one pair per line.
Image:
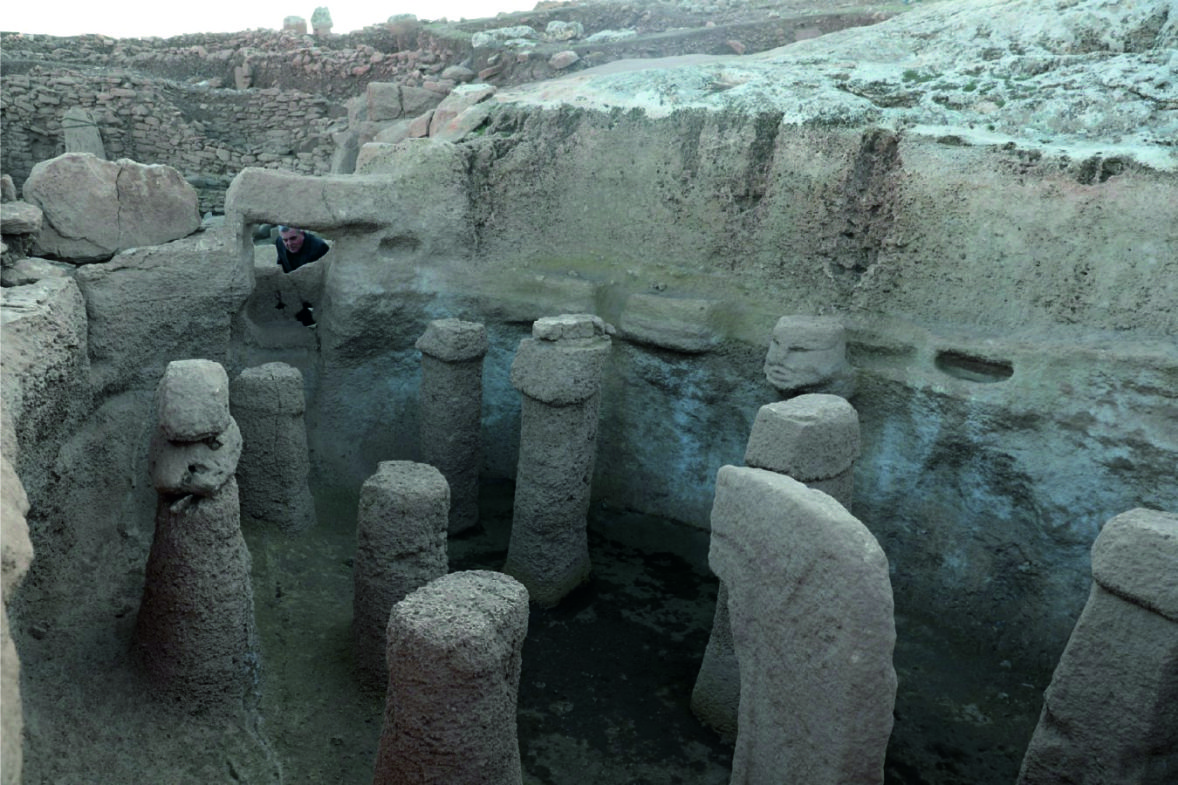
313,248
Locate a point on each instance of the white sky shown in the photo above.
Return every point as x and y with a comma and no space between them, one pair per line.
141,18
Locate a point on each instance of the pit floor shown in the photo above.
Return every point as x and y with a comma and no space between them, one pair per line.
604,690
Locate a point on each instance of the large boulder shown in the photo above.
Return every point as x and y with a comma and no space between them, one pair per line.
93,208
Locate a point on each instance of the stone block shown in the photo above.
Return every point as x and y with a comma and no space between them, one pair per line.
273,388
454,340
95,208
20,218
46,381
679,324
152,305
1110,714
192,400
400,547
1136,558
810,437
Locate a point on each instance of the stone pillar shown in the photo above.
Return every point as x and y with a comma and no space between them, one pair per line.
17,554
321,22
809,354
195,631
400,546
454,654
452,354
268,404
558,373
811,608
81,132
1110,714
815,439
294,24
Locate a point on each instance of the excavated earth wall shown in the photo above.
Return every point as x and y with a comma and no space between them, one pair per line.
997,234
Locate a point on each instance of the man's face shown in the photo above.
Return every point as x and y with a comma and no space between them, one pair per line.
292,239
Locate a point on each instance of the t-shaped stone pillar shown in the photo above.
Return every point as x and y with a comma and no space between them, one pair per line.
809,354
815,439
558,371
195,631
1110,714
268,404
454,653
452,354
400,546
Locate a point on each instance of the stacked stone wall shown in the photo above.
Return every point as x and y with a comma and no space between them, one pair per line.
208,105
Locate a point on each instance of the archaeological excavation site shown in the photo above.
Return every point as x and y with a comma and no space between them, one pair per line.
622,392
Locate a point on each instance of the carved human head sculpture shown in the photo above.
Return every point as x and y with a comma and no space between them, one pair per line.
807,353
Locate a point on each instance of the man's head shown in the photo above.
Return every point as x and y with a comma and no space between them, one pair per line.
292,238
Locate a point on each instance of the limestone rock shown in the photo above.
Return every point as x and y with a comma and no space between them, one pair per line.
273,388
558,30
400,547
16,553
45,383
501,35
193,400
268,402
30,269
7,189
20,218
462,98
457,641
562,372
458,73
812,622
1110,714
570,325
562,60
195,631
454,340
457,128
679,324
81,132
451,408
1136,558
198,467
153,305
95,208
810,437
806,352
